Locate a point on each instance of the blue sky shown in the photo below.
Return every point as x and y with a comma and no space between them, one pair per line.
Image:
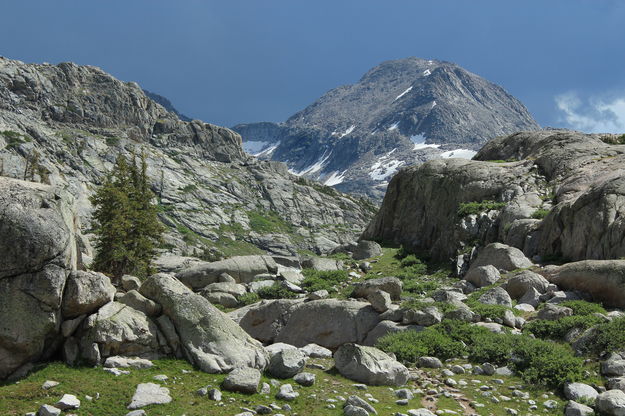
234,61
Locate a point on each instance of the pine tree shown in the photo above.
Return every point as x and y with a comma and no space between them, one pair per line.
125,221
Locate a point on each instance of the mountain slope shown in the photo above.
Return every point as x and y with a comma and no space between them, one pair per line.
65,124
399,113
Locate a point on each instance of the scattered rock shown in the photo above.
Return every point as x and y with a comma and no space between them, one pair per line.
496,296
243,380
391,285
380,300
147,394
369,365
47,410
286,363
48,384
429,362
214,394
611,403
287,393
577,409
304,379
481,276
428,316
316,351
68,402
579,391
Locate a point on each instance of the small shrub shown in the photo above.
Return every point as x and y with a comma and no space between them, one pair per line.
540,213
417,304
468,208
582,307
276,291
418,286
408,346
248,298
319,280
558,329
410,260
610,337
544,362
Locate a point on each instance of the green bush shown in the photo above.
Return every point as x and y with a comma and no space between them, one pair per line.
543,362
609,337
318,280
558,329
418,286
540,213
536,361
417,304
582,307
409,345
276,291
410,260
468,208
248,298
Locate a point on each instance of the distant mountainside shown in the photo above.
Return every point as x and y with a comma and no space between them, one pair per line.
65,124
166,103
400,113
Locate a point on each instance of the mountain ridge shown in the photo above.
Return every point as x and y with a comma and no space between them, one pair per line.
400,113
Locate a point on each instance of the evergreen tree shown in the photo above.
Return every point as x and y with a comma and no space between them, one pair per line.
125,221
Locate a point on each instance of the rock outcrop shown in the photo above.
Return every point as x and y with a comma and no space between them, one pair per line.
209,338
65,124
550,193
39,250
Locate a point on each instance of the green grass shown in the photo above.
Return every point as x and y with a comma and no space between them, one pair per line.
476,207
116,392
265,222
14,139
323,280
275,291
540,213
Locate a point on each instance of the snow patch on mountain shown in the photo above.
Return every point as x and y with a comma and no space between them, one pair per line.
394,126
254,147
419,142
385,167
315,167
335,178
459,153
403,93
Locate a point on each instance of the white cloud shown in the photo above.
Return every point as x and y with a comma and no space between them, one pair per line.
595,115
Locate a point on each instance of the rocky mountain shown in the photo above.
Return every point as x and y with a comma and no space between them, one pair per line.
65,124
552,194
159,99
400,113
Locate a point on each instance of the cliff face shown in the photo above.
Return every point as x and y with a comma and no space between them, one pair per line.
65,124
400,113
552,193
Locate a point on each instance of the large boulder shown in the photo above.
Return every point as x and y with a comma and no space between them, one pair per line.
85,292
611,403
481,276
118,329
369,365
38,245
242,268
286,363
496,296
521,282
266,319
391,285
139,302
361,250
603,279
387,327
502,257
322,264
212,341
335,323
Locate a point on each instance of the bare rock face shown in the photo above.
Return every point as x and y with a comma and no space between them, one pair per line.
604,280
85,292
211,340
369,365
242,268
336,322
552,193
65,124
38,246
